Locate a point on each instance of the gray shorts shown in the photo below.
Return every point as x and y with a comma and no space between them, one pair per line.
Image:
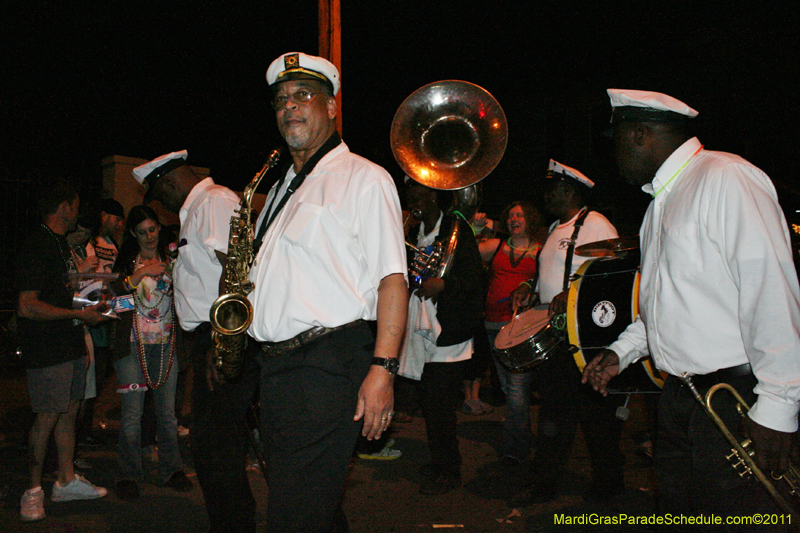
52,388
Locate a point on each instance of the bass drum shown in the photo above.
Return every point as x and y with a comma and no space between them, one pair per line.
603,300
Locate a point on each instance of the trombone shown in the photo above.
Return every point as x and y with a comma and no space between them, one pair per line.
741,456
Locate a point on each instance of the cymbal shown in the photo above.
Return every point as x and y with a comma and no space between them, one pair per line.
608,248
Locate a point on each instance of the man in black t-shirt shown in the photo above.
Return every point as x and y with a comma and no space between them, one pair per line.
53,348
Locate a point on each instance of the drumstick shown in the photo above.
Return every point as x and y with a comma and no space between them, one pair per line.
513,318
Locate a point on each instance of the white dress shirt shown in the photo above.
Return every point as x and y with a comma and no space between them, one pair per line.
205,223
718,286
553,256
325,254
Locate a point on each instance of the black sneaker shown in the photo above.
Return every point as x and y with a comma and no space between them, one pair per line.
127,489
536,493
179,482
443,482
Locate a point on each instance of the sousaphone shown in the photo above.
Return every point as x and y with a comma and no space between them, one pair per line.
449,135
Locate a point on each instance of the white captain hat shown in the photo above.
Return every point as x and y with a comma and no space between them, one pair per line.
300,66
558,170
152,171
647,106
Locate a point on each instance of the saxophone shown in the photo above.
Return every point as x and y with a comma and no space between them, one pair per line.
232,313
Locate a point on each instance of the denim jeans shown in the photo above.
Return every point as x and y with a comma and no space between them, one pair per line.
517,434
129,446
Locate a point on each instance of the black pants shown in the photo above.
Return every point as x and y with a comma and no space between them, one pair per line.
308,399
565,404
693,474
440,386
219,442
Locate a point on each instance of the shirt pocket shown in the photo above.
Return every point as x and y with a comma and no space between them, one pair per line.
682,252
304,224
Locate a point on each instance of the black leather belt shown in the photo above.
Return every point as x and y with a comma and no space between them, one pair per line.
303,339
723,375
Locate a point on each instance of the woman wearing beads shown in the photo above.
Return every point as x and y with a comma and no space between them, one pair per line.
146,338
512,261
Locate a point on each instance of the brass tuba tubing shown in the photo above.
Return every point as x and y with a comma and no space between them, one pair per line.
741,451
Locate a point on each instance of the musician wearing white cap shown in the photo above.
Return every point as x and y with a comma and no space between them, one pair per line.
330,257
718,301
564,403
219,446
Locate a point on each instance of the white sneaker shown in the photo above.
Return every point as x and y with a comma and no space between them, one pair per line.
77,489
32,506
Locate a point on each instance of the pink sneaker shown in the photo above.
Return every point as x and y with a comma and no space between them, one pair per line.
32,506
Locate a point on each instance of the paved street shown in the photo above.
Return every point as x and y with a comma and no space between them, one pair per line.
381,496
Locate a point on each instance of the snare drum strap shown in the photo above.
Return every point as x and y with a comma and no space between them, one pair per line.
571,247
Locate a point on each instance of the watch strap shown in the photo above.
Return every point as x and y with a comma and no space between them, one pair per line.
389,363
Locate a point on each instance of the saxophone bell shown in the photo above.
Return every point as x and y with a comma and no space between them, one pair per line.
231,314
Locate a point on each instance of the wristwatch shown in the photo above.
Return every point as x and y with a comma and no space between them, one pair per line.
391,364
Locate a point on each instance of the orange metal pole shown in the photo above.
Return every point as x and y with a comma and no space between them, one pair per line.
330,42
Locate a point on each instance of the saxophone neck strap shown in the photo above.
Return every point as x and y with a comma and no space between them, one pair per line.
332,142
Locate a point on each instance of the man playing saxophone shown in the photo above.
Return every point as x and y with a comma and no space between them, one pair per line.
718,300
218,407
330,257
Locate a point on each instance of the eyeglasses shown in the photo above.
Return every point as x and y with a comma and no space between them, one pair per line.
300,97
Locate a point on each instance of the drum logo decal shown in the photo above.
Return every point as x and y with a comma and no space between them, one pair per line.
604,313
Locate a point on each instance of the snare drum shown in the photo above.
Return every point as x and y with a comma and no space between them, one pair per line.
603,300
528,340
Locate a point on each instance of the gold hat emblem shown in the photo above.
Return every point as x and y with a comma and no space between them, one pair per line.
291,61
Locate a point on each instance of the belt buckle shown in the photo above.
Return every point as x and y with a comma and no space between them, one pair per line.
273,349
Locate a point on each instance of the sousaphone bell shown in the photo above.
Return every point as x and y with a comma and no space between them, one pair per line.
448,135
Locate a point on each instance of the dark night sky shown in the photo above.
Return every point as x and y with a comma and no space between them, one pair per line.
85,80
